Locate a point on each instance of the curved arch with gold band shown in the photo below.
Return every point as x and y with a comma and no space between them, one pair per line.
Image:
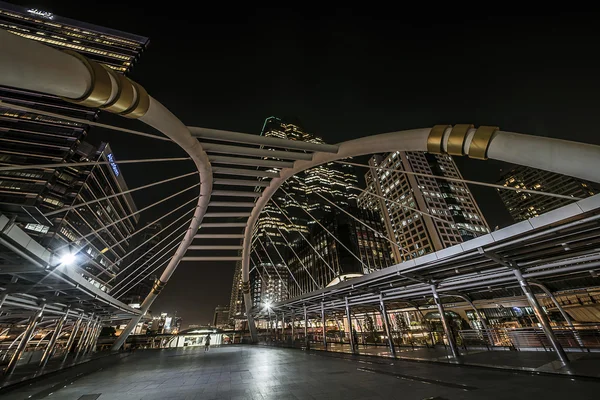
130,99
447,139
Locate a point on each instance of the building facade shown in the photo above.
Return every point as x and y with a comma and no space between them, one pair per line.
405,189
284,221
522,206
221,317
39,198
359,251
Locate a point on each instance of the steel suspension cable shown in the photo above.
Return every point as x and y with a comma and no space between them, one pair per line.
325,229
436,218
153,247
134,213
462,181
296,255
155,221
304,237
81,121
274,265
283,261
358,220
119,194
89,163
136,280
162,240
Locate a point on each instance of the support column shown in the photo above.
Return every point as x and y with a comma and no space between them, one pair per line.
83,337
305,327
386,324
33,321
445,323
3,299
50,347
293,323
323,323
349,317
541,316
72,338
283,326
564,314
93,338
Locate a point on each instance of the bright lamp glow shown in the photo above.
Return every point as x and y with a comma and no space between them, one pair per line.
67,259
267,304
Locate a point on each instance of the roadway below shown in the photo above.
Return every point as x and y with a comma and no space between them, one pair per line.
258,372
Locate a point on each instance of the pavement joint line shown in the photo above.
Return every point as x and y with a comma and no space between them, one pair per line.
419,379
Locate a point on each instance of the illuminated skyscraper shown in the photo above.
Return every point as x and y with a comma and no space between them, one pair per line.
457,217
37,198
522,206
278,226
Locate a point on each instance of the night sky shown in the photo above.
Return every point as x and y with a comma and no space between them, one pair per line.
345,74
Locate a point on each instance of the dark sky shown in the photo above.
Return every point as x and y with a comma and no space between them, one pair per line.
348,73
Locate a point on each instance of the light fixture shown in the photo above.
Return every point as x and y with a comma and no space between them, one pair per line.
67,259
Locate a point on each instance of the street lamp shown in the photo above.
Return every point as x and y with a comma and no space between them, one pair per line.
67,259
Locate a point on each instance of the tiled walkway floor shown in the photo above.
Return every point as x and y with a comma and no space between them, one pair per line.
252,372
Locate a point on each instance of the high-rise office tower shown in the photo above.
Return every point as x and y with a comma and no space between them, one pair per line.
359,250
221,317
522,206
236,302
456,216
33,196
284,223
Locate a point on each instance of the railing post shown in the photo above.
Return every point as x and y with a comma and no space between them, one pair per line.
541,316
33,321
350,333
386,325
305,327
83,337
445,323
50,347
324,328
562,311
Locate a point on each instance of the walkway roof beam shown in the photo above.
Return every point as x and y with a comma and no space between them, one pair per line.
226,214
223,225
254,162
231,204
238,137
245,172
252,151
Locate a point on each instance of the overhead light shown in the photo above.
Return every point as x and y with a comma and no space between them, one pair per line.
67,259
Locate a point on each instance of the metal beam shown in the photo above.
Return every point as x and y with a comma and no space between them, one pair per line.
240,182
245,172
251,151
215,247
234,193
211,258
222,225
238,137
253,162
226,214
231,204
219,236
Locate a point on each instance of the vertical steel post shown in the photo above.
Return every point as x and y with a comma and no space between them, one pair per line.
283,326
50,347
293,323
350,333
305,325
33,321
541,316
324,327
386,324
83,337
445,323
562,311
91,346
72,338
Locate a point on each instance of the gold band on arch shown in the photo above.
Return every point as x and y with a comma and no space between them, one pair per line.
457,139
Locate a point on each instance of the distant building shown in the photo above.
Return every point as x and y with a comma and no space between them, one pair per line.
236,302
403,196
523,206
361,251
221,317
165,323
